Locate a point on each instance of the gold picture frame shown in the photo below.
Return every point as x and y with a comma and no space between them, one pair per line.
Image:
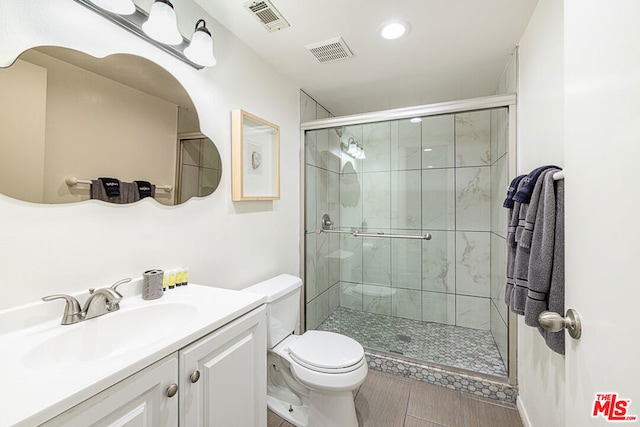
255,158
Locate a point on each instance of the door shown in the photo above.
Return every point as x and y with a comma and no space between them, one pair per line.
138,401
602,153
223,376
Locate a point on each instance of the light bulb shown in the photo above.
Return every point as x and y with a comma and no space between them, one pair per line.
200,50
161,25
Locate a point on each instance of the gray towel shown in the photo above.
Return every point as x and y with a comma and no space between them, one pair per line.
518,299
512,244
128,192
542,240
555,340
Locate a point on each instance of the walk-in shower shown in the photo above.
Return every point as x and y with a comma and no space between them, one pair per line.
413,265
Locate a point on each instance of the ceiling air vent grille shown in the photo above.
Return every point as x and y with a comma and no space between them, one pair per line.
267,15
330,50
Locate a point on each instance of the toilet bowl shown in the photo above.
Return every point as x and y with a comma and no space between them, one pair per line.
311,377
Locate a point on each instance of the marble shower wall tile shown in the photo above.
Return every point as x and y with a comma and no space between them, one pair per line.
333,159
334,297
406,195
335,258
349,297
494,135
406,145
498,273
350,198
407,303
501,131
322,307
499,185
322,262
376,200
311,221
350,259
376,141
499,332
473,198
322,198
473,312
438,142
473,263
376,299
438,199
311,314
376,260
311,263
311,148
438,262
473,138
438,307
406,263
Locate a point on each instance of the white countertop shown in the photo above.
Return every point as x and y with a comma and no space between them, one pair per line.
34,392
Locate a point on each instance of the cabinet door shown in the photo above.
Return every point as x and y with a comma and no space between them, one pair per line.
138,401
231,389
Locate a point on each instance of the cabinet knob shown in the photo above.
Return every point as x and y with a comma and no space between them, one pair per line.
195,376
172,390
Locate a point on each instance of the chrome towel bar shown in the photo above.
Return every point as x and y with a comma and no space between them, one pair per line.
327,224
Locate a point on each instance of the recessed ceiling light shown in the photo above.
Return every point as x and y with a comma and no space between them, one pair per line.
394,29
416,120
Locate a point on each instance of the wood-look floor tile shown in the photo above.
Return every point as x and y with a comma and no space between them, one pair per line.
437,404
417,422
382,400
484,413
273,420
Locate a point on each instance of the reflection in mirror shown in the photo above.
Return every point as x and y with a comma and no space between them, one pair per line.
66,114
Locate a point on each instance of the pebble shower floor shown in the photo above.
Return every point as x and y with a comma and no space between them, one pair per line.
471,349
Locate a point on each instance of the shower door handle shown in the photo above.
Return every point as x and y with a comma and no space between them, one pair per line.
553,322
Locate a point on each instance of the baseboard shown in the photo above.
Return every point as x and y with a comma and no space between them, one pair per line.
523,412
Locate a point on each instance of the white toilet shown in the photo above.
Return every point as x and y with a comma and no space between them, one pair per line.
310,377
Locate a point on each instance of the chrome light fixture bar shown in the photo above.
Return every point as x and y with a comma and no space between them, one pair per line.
133,23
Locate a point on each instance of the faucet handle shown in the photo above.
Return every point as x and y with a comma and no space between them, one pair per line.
120,282
72,313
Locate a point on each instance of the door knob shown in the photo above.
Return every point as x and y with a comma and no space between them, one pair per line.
553,322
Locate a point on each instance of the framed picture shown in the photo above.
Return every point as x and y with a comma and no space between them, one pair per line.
255,158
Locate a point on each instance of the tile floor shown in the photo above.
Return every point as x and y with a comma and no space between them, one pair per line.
471,349
385,400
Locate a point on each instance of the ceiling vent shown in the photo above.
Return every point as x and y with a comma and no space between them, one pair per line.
330,50
267,15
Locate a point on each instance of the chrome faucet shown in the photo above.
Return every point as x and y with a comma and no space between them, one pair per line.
100,301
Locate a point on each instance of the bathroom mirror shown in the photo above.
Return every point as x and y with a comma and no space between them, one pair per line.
69,118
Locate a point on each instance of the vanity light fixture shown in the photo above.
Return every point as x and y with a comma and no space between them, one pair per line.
394,29
159,28
121,7
200,49
354,149
162,24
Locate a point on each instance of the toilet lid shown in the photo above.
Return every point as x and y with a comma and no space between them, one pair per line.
326,350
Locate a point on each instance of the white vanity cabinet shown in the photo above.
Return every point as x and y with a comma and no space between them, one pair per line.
223,377
220,379
140,400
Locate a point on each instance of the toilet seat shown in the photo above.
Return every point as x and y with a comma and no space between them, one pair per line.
327,352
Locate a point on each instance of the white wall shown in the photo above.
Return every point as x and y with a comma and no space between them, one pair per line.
541,372
66,248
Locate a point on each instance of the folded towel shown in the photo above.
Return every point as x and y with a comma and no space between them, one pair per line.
144,188
525,191
111,186
513,189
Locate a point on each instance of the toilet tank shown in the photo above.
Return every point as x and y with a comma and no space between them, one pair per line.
283,305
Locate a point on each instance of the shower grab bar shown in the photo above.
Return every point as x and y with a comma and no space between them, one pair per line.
356,233
327,225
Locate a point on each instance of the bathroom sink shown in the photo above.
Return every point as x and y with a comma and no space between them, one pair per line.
94,340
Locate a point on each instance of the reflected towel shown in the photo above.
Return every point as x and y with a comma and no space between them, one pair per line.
99,192
111,186
145,189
